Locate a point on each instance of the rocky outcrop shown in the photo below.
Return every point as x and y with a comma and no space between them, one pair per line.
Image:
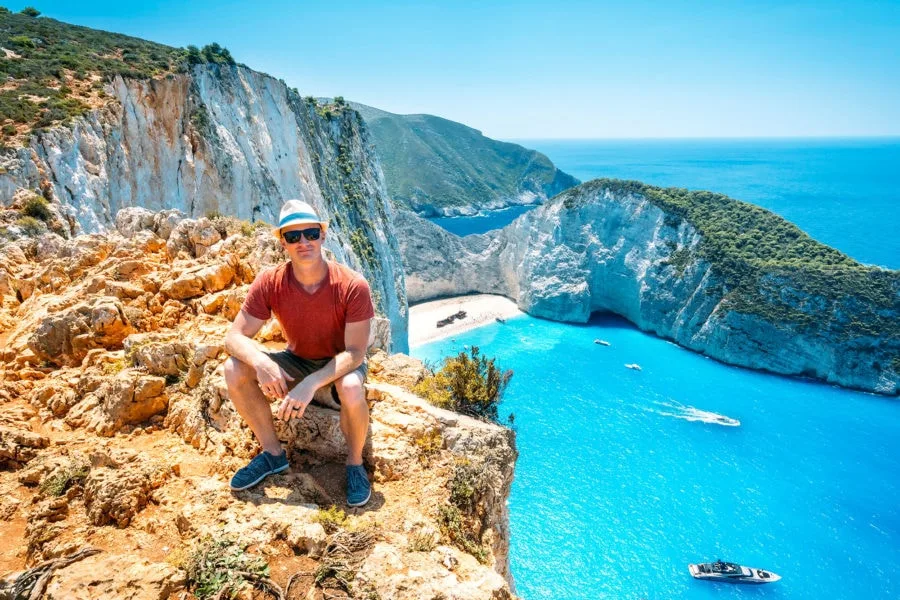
607,247
127,444
220,140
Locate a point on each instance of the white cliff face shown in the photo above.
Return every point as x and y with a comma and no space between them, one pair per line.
618,252
222,140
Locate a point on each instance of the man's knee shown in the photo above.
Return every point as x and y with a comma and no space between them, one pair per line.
238,373
350,389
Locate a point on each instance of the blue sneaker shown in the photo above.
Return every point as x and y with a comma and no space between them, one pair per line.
359,490
262,465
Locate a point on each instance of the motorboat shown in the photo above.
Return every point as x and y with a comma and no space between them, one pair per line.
601,342
633,366
731,573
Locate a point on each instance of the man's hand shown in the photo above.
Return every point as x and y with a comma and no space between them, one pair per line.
294,404
272,378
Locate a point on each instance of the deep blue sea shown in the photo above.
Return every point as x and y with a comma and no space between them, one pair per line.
622,480
843,192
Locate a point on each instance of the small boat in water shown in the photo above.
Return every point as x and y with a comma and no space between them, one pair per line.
633,366
601,342
731,573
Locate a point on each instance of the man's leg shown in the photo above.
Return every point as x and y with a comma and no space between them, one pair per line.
251,403
354,414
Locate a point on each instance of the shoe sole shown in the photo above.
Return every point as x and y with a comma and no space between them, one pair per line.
272,472
357,504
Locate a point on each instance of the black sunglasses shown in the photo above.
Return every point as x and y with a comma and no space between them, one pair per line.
293,236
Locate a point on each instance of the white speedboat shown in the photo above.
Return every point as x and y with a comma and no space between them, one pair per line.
731,573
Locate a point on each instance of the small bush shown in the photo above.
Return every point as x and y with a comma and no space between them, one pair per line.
30,11
421,542
215,564
459,533
37,207
22,41
30,226
467,383
60,480
428,445
331,519
9,129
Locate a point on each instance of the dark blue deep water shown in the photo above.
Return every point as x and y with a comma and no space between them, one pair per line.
624,477
843,192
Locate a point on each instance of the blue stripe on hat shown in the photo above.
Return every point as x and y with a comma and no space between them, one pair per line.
300,215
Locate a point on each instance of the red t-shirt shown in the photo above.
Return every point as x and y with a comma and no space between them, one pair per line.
313,324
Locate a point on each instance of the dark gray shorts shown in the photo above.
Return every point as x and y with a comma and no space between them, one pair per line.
299,367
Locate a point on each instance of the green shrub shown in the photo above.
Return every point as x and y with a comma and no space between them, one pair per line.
9,129
331,519
455,528
421,542
30,226
30,11
37,207
428,445
60,480
22,41
468,383
217,564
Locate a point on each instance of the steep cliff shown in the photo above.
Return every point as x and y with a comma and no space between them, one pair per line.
221,139
437,167
716,275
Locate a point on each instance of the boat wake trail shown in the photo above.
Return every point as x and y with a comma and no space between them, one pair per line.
678,410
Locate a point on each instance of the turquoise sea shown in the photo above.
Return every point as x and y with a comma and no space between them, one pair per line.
623,478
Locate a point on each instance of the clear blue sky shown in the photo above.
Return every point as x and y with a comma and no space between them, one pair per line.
559,69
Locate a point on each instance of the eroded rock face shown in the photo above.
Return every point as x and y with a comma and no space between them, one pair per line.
614,251
66,337
118,487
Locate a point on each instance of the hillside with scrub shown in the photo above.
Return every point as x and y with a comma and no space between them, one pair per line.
54,71
435,166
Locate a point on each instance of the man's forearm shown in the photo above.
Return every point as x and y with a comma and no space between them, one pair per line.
336,368
243,348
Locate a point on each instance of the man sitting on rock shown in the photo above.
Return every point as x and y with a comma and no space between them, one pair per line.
324,310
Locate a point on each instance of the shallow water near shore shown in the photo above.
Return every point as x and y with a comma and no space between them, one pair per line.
625,476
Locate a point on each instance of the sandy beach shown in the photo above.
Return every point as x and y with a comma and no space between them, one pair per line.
481,309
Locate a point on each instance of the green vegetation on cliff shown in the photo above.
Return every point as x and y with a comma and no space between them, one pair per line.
55,71
769,266
432,163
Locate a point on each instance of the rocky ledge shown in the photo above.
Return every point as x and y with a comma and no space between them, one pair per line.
715,275
117,439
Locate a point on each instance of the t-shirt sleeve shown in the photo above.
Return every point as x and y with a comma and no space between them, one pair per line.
257,303
359,301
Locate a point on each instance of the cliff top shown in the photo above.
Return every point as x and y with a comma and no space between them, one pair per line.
55,71
116,433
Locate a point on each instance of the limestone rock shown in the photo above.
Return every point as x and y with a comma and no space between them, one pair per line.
114,576
398,369
159,354
19,445
115,494
64,338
